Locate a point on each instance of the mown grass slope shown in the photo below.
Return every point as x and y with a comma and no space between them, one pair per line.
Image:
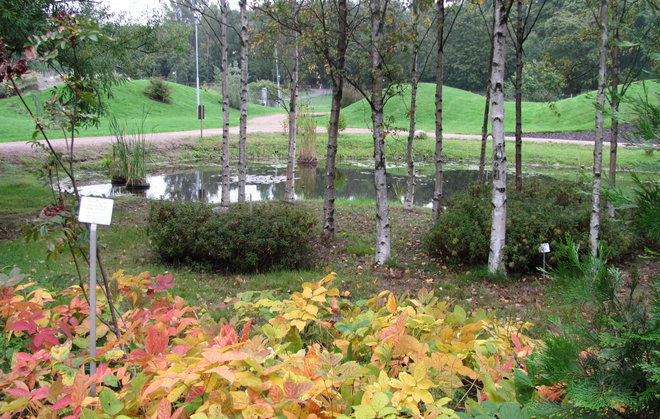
129,104
463,111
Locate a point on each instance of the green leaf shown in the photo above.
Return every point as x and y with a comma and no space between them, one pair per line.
111,380
109,402
511,410
16,404
90,414
364,412
379,402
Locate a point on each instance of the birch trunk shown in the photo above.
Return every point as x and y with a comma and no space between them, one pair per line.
439,81
498,226
293,115
519,75
337,77
226,186
410,186
615,101
380,180
594,225
242,130
484,132
484,125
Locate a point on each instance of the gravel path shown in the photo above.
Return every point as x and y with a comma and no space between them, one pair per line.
270,123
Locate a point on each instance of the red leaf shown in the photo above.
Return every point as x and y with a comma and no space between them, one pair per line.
62,403
45,335
23,325
156,341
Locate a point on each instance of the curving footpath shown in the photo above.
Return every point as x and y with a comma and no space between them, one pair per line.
270,123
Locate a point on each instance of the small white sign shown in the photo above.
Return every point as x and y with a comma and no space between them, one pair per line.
544,248
95,210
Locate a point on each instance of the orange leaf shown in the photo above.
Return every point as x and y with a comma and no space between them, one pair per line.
221,357
156,341
164,409
245,335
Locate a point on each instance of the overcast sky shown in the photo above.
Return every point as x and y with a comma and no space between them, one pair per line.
138,8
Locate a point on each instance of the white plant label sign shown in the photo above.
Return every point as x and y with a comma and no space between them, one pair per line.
95,210
544,248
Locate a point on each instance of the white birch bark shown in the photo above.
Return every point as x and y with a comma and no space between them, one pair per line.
519,39
439,81
410,184
293,115
594,224
498,225
226,186
242,130
380,180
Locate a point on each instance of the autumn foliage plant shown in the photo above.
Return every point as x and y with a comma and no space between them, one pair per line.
315,353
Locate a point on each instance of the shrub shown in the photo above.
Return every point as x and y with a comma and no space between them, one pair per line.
603,361
644,204
271,236
545,212
173,228
159,90
254,92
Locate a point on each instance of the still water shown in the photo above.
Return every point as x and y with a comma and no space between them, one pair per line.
269,182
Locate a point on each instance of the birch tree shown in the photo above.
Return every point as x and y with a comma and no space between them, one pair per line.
383,249
523,28
594,224
210,14
224,67
418,12
328,33
442,36
242,130
498,225
284,32
293,117
439,81
410,183
484,125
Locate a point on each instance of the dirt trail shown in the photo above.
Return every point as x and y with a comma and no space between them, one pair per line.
269,123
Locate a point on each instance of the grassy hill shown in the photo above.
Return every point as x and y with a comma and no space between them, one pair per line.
463,112
128,104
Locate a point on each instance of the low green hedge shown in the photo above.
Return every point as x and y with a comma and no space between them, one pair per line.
545,212
272,236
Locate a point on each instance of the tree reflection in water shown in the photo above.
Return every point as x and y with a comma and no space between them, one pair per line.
268,182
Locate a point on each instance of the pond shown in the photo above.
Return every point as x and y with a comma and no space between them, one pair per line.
268,182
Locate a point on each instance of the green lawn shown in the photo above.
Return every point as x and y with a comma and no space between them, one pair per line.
463,111
129,104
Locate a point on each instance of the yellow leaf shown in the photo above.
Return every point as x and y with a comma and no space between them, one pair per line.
312,309
239,400
391,304
176,393
407,379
